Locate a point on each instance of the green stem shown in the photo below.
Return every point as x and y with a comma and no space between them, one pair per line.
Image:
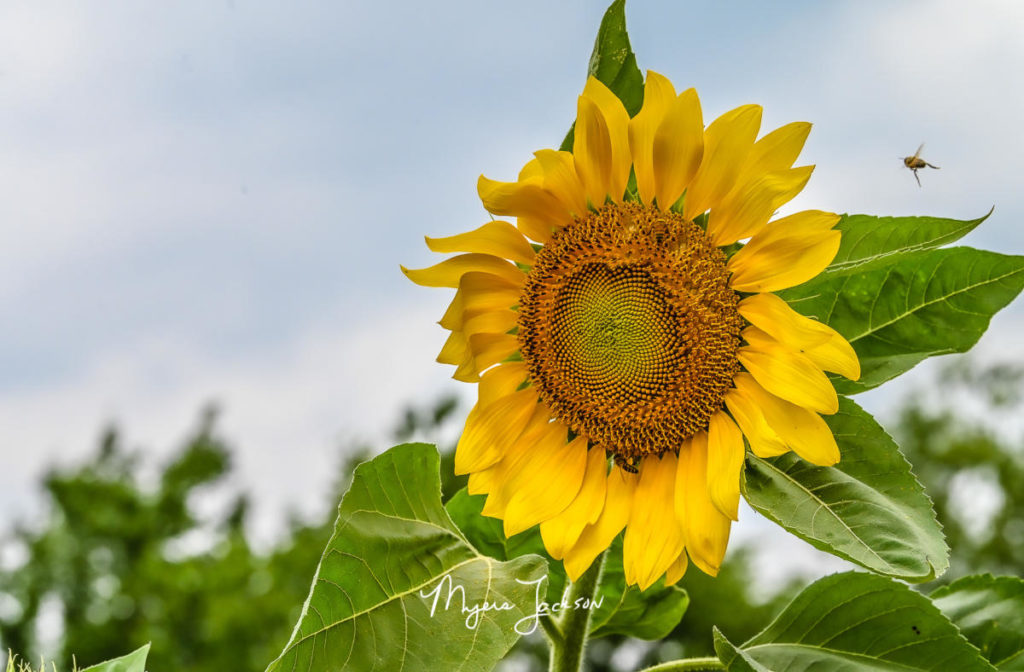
551,628
688,665
567,654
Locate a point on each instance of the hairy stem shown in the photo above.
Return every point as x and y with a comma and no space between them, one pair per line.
567,654
688,665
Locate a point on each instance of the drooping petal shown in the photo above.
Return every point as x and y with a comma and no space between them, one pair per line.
489,349
659,95
786,373
775,317
528,201
676,570
497,238
836,355
678,147
560,179
727,142
654,535
490,322
495,479
479,293
783,263
747,208
595,538
489,429
764,442
450,271
822,344
705,528
561,532
725,461
804,431
617,122
535,498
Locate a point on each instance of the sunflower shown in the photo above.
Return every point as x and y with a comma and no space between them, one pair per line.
627,357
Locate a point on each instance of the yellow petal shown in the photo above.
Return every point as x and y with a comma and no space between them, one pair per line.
498,238
727,142
455,349
528,201
592,151
836,355
805,222
489,431
547,481
450,271
676,570
466,372
490,322
764,442
787,374
499,382
654,535
748,207
775,317
561,180
725,461
678,148
496,480
617,122
804,431
561,532
659,95
489,349
596,538
822,344
479,293
705,528
783,263
777,150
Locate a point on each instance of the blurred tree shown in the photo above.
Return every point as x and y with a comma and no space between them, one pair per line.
127,564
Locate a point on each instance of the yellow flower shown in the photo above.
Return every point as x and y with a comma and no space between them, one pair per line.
626,331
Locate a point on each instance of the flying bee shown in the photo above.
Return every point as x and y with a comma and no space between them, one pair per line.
626,464
915,163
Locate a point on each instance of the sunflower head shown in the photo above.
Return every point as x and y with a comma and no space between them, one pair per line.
630,353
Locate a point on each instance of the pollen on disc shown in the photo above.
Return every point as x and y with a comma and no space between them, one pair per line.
629,328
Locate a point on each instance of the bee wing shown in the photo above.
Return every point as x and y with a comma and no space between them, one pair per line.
918,152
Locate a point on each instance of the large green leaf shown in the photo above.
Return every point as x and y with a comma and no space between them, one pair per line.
989,610
922,304
868,508
650,614
856,622
613,63
873,242
379,600
133,662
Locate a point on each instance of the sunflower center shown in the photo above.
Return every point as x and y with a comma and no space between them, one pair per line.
629,328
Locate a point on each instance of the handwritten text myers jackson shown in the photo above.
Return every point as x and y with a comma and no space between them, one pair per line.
525,625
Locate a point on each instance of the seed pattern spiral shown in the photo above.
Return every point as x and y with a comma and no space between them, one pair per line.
629,328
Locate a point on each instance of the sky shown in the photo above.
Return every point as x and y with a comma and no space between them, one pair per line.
208,202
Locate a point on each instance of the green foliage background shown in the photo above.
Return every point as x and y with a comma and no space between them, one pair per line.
107,554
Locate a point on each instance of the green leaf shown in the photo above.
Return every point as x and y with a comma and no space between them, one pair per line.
868,509
732,657
650,614
613,63
873,242
921,304
989,610
488,536
133,662
855,622
394,555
